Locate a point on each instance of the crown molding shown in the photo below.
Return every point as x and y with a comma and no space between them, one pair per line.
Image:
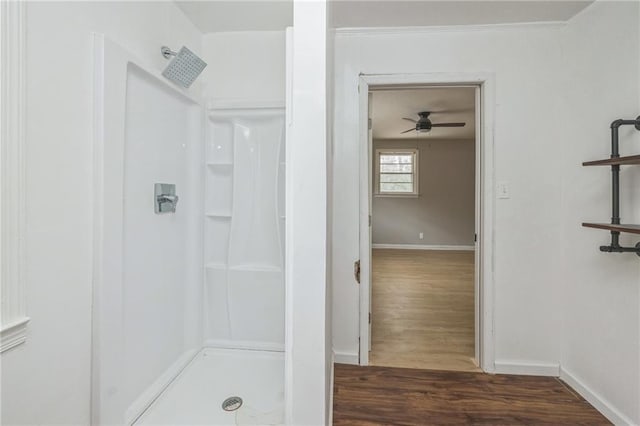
404,31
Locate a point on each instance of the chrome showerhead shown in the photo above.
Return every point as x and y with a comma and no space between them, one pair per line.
184,68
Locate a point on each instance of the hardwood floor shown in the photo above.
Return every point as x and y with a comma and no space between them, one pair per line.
399,396
423,309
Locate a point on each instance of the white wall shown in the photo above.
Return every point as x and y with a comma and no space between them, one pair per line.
245,66
560,304
308,353
525,62
328,309
601,292
47,379
444,210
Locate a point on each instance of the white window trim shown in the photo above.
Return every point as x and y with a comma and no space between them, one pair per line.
13,319
416,173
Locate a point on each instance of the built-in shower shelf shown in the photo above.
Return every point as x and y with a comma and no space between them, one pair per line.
219,165
213,265
219,214
256,268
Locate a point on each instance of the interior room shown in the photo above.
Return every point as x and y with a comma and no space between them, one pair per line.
189,224
423,208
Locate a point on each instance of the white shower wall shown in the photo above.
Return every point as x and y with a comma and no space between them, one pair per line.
210,274
147,311
244,189
160,251
244,229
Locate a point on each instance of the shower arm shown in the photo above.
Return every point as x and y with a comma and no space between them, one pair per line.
166,52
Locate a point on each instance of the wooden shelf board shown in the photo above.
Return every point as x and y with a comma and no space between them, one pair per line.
632,159
633,229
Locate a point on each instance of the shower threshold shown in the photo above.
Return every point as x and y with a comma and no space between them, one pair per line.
197,395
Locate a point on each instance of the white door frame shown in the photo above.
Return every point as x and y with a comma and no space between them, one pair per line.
485,200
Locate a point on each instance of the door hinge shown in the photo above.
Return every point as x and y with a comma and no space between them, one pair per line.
475,238
370,220
370,124
356,270
369,317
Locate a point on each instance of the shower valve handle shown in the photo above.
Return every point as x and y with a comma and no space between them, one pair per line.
173,199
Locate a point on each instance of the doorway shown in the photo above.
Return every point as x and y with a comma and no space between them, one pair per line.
422,185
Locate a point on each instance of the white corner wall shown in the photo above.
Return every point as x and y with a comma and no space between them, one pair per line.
47,380
600,297
308,357
525,62
245,66
328,308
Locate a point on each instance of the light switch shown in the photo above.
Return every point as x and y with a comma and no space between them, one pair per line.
502,189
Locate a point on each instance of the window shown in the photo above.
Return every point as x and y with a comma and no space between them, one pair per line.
396,172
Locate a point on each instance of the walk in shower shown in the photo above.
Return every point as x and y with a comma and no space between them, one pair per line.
188,319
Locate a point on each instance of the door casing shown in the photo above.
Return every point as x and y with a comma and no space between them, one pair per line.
485,200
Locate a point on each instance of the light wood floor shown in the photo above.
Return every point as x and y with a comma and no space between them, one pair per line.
423,309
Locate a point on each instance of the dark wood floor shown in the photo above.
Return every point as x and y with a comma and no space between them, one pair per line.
401,396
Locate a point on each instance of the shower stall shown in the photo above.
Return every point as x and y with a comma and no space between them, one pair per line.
189,288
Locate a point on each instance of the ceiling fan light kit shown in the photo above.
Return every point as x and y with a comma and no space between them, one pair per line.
424,124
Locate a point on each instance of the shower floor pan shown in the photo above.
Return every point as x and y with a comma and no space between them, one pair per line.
196,396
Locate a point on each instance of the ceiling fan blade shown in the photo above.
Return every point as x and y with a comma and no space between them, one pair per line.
448,124
407,131
409,119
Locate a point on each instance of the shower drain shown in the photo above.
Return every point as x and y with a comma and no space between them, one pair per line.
232,403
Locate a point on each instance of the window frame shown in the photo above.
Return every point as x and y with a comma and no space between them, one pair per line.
415,152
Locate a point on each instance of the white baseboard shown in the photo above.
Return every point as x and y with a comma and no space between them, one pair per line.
345,358
527,368
601,404
421,247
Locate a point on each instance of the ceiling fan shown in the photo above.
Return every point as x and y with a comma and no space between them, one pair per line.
424,125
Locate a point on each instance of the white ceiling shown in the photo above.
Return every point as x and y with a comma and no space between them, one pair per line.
265,15
447,105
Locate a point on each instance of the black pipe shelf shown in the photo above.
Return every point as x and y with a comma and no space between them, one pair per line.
620,161
615,161
628,228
